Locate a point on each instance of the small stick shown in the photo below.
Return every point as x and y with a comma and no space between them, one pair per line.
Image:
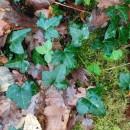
72,7
117,66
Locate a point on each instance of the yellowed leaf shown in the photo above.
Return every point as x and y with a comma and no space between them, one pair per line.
31,123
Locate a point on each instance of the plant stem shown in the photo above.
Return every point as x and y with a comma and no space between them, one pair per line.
72,7
115,67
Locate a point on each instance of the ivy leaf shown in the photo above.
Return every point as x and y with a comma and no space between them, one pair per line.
12,128
115,20
19,63
20,95
116,55
56,10
46,50
85,2
94,68
111,31
123,12
126,1
124,81
67,58
61,86
52,22
15,40
41,21
78,35
51,33
111,11
55,76
123,34
96,44
36,58
91,104
48,25
108,46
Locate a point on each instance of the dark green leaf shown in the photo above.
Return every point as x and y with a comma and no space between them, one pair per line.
126,1
85,2
124,81
108,46
72,49
61,86
18,63
55,76
15,40
123,34
78,35
97,44
111,31
123,12
56,10
20,95
36,58
91,104
111,11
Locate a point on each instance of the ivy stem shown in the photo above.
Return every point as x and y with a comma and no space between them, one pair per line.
115,67
72,7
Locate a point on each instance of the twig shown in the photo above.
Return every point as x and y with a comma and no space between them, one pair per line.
117,66
72,7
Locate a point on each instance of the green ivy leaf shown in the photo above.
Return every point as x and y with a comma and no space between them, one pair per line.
78,35
62,85
85,2
55,76
46,50
49,25
94,68
111,31
15,40
56,10
123,12
36,58
12,128
20,95
116,55
108,46
96,44
123,34
126,1
19,63
67,58
91,104
124,81
111,11
51,33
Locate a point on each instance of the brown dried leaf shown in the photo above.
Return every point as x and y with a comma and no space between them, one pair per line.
6,79
81,93
81,75
57,117
39,4
107,3
18,77
35,71
97,19
3,59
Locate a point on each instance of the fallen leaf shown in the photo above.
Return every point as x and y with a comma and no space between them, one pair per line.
57,117
31,123
82,75
6,79
107,3
3,59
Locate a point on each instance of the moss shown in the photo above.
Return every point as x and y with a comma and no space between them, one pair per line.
77,126
114,98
